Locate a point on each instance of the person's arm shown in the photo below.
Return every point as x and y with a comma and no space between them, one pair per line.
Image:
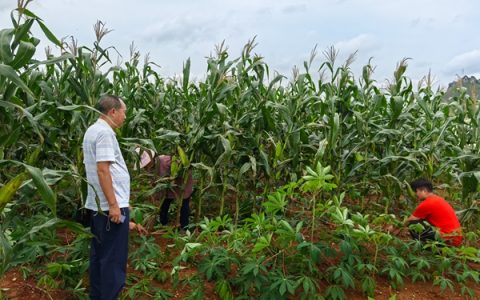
140,229
421,212
105,179
410,219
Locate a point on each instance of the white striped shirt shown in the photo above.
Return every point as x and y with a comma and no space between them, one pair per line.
100,144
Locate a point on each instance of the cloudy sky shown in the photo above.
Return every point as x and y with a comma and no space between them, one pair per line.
438,35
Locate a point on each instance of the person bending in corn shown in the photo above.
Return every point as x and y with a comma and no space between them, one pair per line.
433,211
161,166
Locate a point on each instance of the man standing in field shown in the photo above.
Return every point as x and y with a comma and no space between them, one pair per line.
437,212
109,179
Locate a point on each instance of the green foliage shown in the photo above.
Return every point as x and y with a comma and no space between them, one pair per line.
283,284
443,282
368,286
148,257
5,250
223,290
217,265
294,179
318,179
335,292
142,288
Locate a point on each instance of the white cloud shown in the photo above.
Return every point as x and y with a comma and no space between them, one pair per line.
294,8
183,31
465,63
362,42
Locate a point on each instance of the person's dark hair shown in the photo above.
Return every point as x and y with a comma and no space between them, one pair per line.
421,183
107,102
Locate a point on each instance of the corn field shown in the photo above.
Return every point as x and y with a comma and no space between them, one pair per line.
249,134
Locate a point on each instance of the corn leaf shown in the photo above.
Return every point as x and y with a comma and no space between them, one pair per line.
8,72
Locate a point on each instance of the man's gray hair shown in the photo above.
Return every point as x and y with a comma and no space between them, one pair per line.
107,102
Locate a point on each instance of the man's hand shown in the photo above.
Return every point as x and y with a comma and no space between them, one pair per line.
114,213
139,228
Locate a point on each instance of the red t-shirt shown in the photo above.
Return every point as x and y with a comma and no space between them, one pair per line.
436,211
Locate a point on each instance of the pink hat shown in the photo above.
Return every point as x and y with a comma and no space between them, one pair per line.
146,157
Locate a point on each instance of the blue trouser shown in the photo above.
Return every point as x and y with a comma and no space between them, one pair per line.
184,211
108,255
